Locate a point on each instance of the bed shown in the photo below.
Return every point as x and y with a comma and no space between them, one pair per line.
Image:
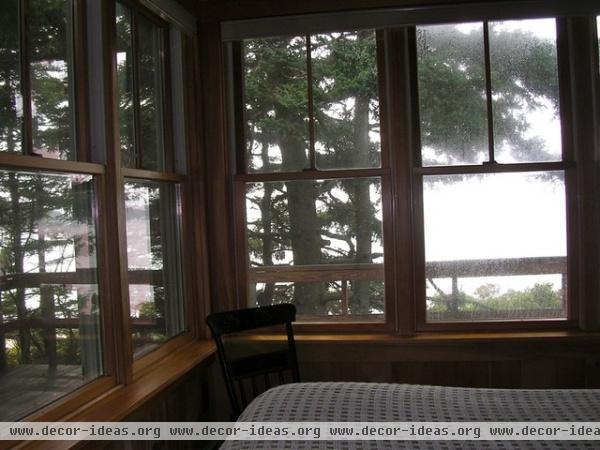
358,402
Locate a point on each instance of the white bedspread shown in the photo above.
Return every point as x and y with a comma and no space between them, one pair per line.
357,402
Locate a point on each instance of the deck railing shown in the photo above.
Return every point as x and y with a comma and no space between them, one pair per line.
345,273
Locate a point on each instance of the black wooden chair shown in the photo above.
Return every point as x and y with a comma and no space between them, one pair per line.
261,368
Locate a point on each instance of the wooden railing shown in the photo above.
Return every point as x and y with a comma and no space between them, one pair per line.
345,273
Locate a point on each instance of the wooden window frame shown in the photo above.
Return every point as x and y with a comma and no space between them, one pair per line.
403,222
491,166
242,177
118,367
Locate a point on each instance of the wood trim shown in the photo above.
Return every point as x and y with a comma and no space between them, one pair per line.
108,305
120,402
119,323
493,168
199,303
141,174
425,338
73,401
505,325
80,52
138,146
25,162
148,13
312,155
145,363
402,97
311,175
262,18
25,55
125,400
568,153
167,101
241,245
584,90
219,170
237,73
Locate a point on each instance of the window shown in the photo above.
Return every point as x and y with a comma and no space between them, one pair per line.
151,191
313,176
38,79
439,193
492,173
50,299
89,231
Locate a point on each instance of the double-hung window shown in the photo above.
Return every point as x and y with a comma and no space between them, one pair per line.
445,149
312,176
151,182
50,301
491,174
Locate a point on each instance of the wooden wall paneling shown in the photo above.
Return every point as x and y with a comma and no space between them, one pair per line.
592,372
505,374
400,138
198,304
218,170
585,109
570,373
538,374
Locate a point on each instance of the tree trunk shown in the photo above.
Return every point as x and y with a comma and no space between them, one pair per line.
360,303
24,335
305,232
47,307
266,297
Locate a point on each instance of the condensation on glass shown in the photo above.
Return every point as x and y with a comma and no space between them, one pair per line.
495,246
51,79
524,92
50,343
452,100
152,213
276,104
317,244
524,72
140,83
346,100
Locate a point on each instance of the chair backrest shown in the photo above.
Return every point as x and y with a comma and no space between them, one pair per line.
255,370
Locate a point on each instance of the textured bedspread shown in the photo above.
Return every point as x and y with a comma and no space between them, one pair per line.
357,402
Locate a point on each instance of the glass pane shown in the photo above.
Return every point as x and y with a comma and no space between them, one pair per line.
151,94
49,308
495,246
346,100
52,81
11,101
525,91
154,263
452,99
323,236
276,104
124,58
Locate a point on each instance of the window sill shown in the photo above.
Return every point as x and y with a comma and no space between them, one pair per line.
121,401
426,338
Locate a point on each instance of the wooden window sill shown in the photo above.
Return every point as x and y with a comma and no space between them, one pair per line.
121,401
431,337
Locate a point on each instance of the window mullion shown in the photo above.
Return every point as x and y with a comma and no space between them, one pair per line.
488,91
25,55
311,116
135,64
